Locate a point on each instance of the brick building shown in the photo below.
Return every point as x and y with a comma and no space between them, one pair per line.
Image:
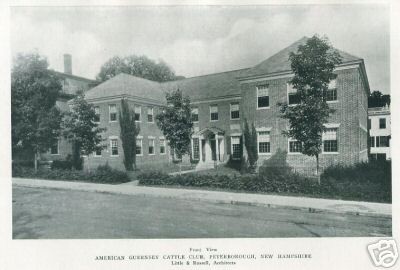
221,103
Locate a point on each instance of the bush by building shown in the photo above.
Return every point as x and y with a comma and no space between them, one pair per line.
103,174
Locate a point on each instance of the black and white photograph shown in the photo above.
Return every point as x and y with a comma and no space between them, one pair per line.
203,124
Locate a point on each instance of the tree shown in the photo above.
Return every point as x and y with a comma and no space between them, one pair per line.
313,65
175,121
81,129
139,66
250,141
377,99
129,131
36,121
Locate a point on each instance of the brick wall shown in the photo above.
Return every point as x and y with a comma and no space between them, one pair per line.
346,114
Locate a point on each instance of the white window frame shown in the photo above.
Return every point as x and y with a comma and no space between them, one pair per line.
212,106
164,144
140,113
148,145
95,154
269,100
139,138
109,113
152,114
197,109
58,149
111,146
232,104
197,138
259,141
331,126
288,145
288,86
97,112
333,85
234,136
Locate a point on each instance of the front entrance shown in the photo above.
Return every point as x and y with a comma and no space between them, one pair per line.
211,148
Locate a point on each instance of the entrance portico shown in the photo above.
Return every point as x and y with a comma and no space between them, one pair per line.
208,146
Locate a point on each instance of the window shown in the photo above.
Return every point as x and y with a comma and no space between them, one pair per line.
331,93
262,96
112,109
329,138
294,146
235,114
162,146
150,118
214,112
372,141
54,148
196,148
236,147
114,147
369,124
195,114
97,153
382,123
293,96
138,147
97,114
382,141
377,156
151,146
138,112
263,138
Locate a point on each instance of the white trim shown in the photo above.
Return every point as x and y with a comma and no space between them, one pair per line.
262,108
230,110
332,125
330,153
214,112
332,101
237,134
288,147
363,128
165,145
139,137
111,139
141,145
150,138
152,114
140,114
109,113
258,143
191,113
232,146
216,100
117,98
261,129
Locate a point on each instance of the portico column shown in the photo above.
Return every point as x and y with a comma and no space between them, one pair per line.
216,148
200,149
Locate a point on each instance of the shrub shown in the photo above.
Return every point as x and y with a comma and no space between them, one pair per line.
61,164
103,174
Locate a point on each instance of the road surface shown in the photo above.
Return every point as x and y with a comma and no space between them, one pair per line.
65,214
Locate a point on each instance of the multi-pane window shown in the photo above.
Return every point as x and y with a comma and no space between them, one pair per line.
114,147
264,142
97,114
214,112
112,109
235,114
236,147
196,148
151,146
294,146
372,141
382,123
54,148
293,96
138,147
382,141
150,118
331,93
162,146
330,141
97,153
262,96
195,114
138,113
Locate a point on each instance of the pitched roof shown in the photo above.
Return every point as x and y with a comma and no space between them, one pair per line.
279,62
210,86
124,84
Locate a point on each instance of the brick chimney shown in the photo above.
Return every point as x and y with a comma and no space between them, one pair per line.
68,64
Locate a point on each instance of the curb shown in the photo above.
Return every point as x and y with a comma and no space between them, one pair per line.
219,201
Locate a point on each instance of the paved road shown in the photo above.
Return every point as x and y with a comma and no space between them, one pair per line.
60,214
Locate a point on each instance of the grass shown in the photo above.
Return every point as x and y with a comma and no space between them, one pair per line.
220,170
163,167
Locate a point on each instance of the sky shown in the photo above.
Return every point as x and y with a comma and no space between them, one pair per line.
200,40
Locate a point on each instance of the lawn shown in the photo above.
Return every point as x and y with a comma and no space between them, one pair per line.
163,168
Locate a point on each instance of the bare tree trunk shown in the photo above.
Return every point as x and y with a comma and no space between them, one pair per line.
88,163
319,180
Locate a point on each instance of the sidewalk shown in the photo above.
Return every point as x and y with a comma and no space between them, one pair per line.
312,204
